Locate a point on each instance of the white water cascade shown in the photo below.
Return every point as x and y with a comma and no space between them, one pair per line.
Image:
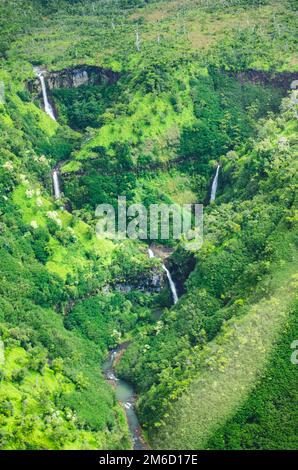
171,282
56,185
50,112
47,105
214,185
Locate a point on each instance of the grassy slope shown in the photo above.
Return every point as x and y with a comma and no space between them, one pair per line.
29,410
268,417
65,39
233,363
68,259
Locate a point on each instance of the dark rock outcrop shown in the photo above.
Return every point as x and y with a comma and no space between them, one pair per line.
181,264
74,77
151,281
282,80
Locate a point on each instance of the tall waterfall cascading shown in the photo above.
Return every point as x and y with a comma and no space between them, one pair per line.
171,282
214,185
50,112
47,105
56,185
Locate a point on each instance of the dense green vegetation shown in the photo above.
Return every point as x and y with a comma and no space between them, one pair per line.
267,419
50,260
213,371
35,286
85,106
245,243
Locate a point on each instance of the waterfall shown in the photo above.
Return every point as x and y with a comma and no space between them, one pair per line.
56,185
214,185
171,282
47,105
50,112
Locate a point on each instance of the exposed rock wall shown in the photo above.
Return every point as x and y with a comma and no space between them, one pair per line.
74,77
281,80
150,282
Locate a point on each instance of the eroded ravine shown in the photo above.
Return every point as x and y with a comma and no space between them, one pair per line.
124,391
125,395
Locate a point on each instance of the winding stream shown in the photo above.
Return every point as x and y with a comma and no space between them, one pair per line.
126,395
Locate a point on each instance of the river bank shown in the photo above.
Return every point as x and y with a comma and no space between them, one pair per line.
125,394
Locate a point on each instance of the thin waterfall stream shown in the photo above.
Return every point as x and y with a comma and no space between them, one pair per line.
214,185
50,112
56,184
171,282
47,105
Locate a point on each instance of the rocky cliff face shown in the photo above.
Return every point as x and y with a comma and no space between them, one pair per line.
281,80
151,281
146,287
74,77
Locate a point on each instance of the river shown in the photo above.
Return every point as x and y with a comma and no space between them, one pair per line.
126,395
